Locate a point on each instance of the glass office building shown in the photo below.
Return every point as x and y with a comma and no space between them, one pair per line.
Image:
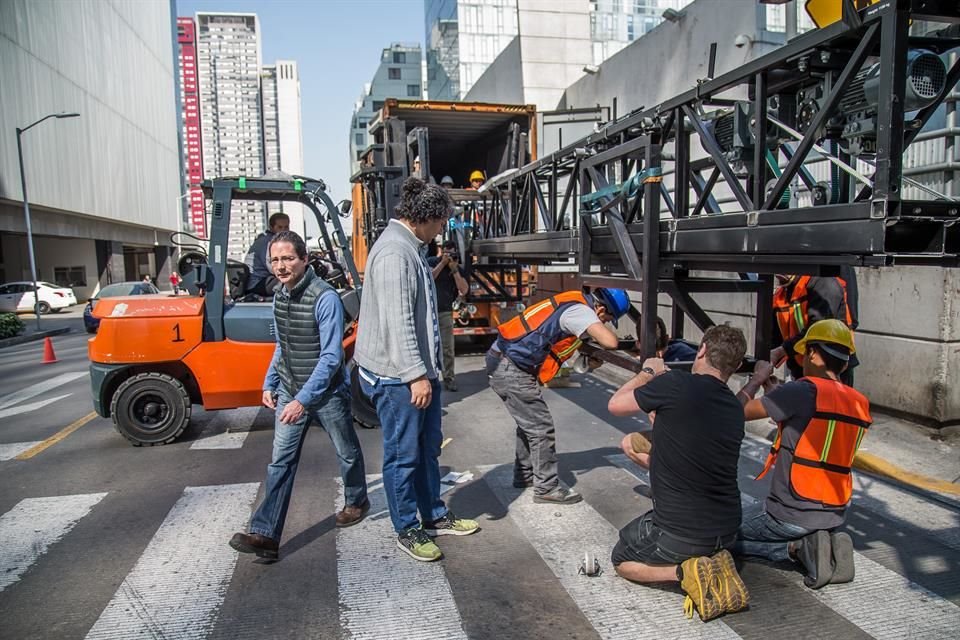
463,37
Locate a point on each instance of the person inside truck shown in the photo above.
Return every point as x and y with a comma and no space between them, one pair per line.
416,172
261,281
446,182
476,180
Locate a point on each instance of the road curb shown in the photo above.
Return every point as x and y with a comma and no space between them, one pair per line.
30,337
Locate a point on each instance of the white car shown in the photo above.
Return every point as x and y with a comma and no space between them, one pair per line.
18,296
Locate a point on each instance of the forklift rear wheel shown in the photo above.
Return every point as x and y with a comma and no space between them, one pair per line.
150,409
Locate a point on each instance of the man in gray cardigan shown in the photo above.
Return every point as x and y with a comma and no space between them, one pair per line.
398,352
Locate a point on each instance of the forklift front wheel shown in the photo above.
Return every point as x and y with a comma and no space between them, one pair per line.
150,409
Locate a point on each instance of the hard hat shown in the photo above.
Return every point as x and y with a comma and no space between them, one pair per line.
823,333
616,301
446,180
477,175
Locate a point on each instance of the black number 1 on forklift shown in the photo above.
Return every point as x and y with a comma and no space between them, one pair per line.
176,330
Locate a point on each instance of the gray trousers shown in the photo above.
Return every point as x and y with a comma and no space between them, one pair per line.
445,319
536,455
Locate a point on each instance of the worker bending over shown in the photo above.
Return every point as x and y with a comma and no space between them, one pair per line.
697,434
821,423
528,352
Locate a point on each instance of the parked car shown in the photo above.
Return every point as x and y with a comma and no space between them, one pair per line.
114,290
19,297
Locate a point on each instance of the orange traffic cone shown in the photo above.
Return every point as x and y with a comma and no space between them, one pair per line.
48,355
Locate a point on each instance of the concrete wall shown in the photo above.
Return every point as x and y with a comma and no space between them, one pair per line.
673,56
555,45
63,252
549,54
502,82
112,61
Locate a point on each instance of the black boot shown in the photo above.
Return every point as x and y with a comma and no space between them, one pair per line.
814,553
842,548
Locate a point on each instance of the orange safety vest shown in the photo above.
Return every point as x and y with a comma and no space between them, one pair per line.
791,310
823,457
517,330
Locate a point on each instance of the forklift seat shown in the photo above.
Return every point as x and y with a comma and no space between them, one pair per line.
238,275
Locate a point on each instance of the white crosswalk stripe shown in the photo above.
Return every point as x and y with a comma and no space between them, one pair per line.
12,450
867,601
383,592
9,412
178,586
41,387
615,607
28,530
180,581
228,429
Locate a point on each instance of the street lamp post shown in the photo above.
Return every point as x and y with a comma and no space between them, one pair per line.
26,208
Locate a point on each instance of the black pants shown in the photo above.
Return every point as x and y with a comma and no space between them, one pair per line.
643,541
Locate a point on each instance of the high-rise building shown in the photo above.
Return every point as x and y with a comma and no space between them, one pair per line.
616,23
104,187
231,121
283,131
195,218
398,76
463,37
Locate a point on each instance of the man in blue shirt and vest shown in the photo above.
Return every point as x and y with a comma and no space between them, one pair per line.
305,383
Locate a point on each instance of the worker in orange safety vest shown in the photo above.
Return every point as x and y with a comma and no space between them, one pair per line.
800,301
529,352
821,423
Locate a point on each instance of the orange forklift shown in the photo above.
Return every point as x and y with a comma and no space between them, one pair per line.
155,356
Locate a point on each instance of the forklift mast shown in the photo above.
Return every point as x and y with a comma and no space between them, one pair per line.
212,276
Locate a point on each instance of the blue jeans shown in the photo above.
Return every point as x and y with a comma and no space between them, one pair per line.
333,414
411,452
763,536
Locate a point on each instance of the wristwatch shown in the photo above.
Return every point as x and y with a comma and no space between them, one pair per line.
649,370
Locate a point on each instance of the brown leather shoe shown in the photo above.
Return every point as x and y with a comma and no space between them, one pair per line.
351,515
263,546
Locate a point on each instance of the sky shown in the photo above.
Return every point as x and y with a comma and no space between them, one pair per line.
337,45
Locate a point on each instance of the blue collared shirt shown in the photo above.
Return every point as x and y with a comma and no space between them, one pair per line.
329,314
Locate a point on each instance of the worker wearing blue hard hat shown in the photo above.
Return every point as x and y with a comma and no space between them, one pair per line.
615,301
529,352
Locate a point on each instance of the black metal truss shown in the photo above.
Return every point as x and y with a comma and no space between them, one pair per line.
589,200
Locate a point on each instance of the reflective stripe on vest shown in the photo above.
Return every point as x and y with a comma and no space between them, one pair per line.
823,457
560,352
516,332
790,309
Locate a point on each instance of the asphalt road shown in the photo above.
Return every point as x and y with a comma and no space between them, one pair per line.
99,539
